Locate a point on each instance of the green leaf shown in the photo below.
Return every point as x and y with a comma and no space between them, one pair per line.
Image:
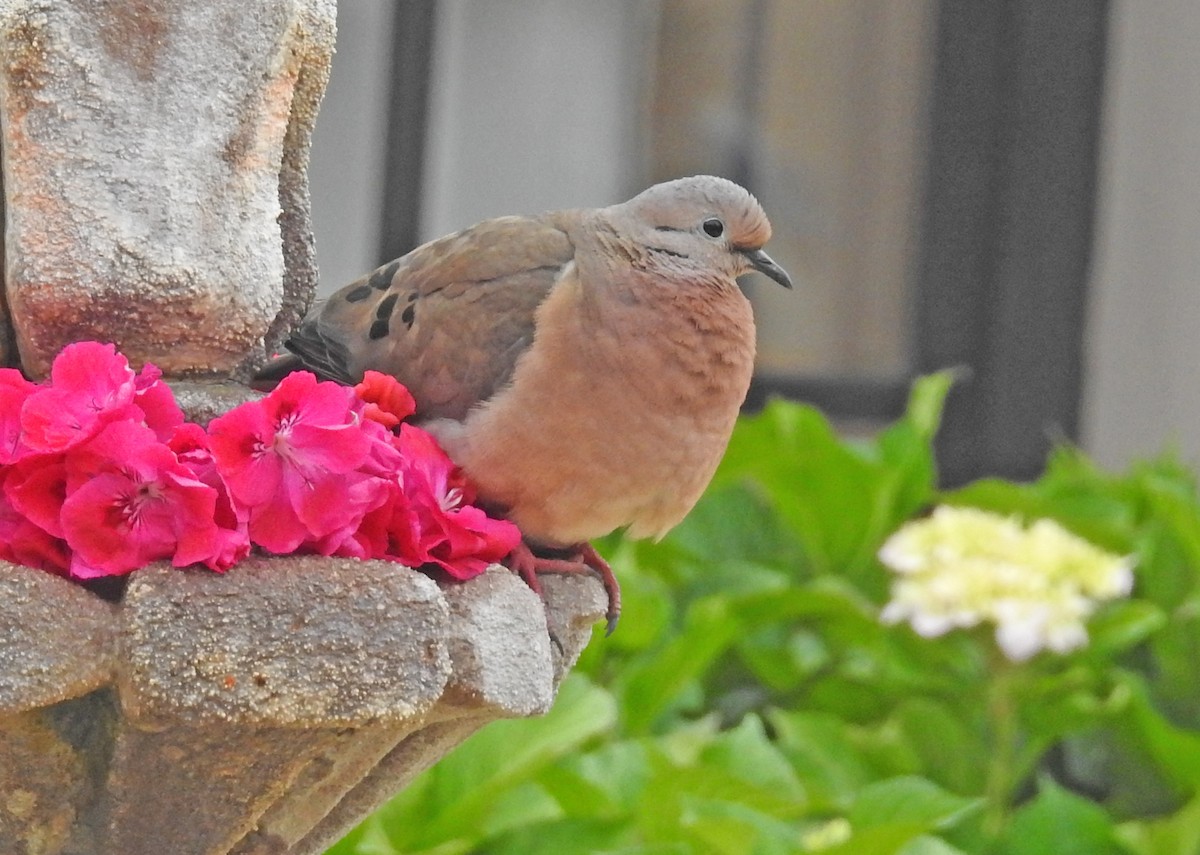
562,837
1123,625
1002,497
1175,750
722,784
839,500
783,657
459,797
350,844
948,748
651,686
898,815
1072,492
1176,650
880,840
1177,834
745,753
908,801
647,605
1058,822
907,450
826,761
523,805
926,402
728,827
815,483
925,845
735,522
605,782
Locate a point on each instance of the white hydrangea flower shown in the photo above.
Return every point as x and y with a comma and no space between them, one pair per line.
1036,584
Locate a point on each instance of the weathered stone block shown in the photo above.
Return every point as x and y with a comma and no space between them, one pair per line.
155,156
39,663
265,710
304,641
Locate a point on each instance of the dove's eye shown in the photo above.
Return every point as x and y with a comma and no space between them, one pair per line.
714,227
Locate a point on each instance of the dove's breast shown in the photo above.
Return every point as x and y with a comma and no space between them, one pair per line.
619,413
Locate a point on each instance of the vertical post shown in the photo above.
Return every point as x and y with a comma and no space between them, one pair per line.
1005,252
154,154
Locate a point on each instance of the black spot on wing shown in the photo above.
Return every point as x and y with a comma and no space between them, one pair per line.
409,315
381,279
384,310
358,294
378,329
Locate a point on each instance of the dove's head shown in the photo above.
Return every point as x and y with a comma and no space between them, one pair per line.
701,224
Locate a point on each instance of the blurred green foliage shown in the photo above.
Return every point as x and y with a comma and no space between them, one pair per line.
752,702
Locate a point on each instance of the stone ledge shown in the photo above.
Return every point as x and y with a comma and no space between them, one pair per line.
264,710
40,665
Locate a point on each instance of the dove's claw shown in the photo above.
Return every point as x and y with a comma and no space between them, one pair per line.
591,558
583,558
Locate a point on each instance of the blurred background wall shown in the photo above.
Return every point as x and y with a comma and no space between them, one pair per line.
1010,190
1142,383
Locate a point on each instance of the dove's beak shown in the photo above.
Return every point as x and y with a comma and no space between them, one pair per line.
764,264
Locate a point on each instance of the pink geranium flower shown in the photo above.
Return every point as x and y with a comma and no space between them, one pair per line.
232,537
390,531
130,501
100,475
90,384
23,542
292,458
451,533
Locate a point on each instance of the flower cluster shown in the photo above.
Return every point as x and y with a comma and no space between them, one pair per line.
100,474
1036,584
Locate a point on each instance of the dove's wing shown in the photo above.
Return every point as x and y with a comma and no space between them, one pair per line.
449,319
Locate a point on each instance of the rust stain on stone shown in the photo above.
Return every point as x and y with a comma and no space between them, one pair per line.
134,32
24,55
262,121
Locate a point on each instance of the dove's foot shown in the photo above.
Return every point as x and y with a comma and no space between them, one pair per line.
581,558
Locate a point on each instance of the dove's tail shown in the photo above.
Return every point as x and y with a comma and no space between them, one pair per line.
268,377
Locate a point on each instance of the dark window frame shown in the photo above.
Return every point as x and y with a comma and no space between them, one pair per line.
1008,215
413,29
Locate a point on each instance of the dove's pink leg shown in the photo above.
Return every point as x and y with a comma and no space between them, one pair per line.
525,564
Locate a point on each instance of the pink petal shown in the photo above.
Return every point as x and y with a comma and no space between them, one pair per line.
22,542
14,390
90,384
302,397
156,401
334,502
124,446
105,537
54,420
332,449
95,371
275,527
193,518
36,488
240,442
385,399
